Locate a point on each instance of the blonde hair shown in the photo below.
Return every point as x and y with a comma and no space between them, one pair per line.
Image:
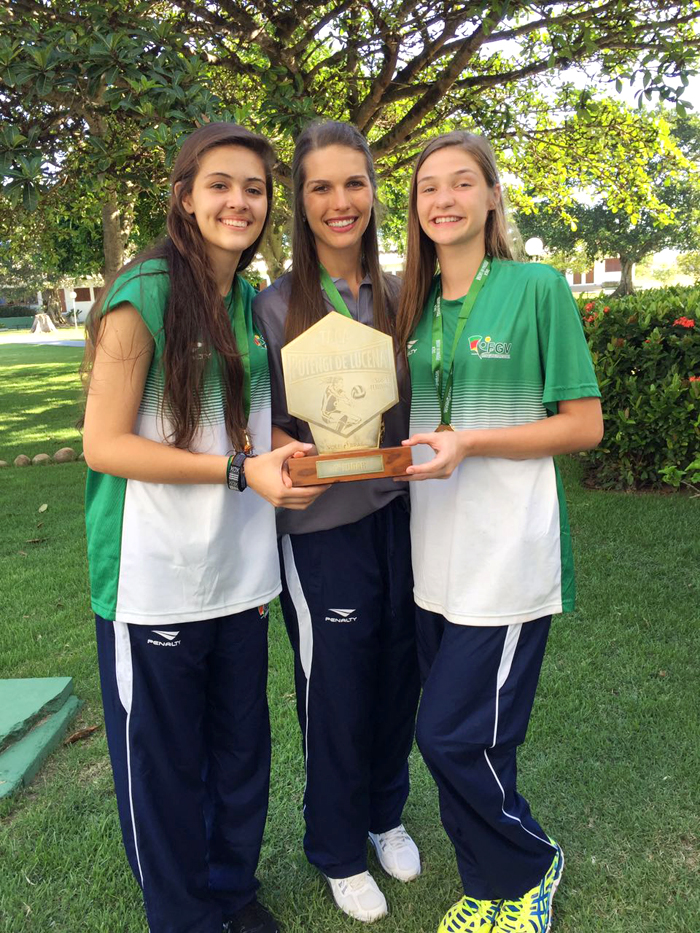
421,255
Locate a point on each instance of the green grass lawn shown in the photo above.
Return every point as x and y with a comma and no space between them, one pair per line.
610,766
40,399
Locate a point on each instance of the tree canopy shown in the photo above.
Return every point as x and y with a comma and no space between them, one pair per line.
596,230
102,91
95,95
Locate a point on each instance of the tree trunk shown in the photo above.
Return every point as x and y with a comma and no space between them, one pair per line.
273,252
52,306
626,286
112,235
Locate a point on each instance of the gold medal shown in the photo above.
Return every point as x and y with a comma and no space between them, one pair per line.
443,427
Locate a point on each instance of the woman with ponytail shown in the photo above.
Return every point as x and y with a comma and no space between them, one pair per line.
347,598
180,503
502,380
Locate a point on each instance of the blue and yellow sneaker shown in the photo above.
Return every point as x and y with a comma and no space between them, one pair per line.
532,913
470,916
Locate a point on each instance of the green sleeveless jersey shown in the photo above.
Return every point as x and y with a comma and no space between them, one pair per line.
169,553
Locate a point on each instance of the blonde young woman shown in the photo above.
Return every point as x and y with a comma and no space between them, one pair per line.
502,380
182,553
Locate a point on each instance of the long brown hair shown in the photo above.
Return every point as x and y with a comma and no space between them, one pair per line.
421,255
306,305
196,316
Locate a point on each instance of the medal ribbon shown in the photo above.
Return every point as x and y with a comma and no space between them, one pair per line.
438,350
334,296
241,332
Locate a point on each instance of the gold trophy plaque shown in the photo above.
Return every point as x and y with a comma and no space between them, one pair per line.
340,377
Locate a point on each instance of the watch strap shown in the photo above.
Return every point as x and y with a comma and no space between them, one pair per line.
235,472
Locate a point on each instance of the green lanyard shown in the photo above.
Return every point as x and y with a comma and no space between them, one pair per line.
328,285
241,332
445,392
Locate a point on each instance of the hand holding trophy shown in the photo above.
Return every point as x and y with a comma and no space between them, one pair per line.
340,377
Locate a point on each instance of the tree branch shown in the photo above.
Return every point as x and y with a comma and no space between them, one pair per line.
432,96
319,26
363,114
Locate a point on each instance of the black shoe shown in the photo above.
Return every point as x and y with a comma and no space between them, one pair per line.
253,918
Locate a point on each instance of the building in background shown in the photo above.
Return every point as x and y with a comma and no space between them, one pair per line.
604,274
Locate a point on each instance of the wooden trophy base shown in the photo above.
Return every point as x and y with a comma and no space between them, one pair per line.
349,465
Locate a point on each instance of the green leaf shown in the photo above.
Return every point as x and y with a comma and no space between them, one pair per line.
30,196
111,75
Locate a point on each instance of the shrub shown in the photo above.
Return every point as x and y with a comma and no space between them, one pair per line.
16,311
646,351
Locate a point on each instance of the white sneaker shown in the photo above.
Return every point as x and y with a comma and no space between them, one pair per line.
359,897
397,853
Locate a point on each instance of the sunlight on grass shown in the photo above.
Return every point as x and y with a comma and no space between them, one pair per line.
41,398
8,337
19,374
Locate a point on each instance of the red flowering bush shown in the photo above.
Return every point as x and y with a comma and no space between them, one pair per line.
646,350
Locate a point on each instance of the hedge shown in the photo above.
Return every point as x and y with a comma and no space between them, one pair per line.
16,311
646,350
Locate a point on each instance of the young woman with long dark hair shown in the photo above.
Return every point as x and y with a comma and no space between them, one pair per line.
183,559
502,380
346,596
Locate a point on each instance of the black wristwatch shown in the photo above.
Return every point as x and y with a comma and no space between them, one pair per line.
235,472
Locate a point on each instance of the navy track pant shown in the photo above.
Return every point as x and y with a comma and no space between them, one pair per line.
348,605
189,738
479,687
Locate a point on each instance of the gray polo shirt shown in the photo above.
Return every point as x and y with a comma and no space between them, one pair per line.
343,503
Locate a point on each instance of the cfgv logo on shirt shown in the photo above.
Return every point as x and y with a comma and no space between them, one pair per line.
486,348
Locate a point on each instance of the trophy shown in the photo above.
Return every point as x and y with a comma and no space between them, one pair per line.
340,377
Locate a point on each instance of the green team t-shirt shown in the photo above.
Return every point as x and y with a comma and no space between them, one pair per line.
164,553
491,544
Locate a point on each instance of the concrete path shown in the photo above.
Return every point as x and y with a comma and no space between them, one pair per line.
44,340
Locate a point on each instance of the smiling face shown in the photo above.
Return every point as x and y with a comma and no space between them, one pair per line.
229,202
337,196
453,199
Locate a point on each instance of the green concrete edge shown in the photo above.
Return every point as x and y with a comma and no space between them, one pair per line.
21,762
14,694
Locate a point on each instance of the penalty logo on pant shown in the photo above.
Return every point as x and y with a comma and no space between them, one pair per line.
342,615
166,639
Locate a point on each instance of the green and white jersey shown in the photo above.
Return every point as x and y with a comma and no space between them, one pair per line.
491,544
162,553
